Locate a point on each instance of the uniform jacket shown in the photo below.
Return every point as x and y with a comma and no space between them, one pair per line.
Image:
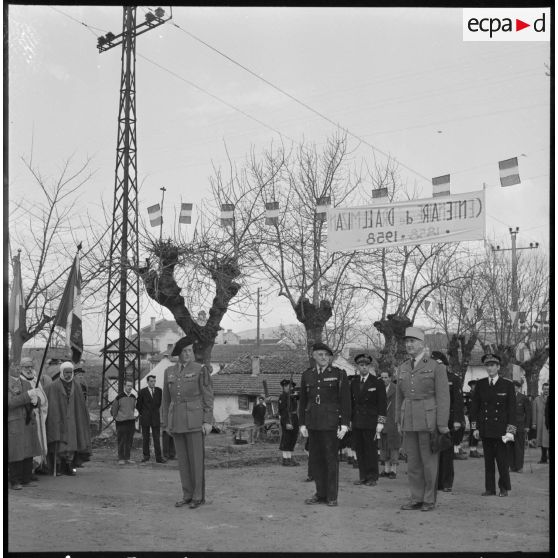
149,408
187,398
422,396
283,408
522,412
457,413
368,402
493,408
538,421
325,399
23,439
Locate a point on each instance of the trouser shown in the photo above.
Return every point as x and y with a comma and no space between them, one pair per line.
495,450
322,446
125,437
422,466
168,445
445,469
473,442
190,453
387,453
156,440
20,471
259,432
457,435
367,453
516,451
545,454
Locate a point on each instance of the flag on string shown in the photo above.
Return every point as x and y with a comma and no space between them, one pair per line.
509,172
440,307
321,206
441,186
155,215
426,305
227,214
380,194
513,314
522,317
185,213
16,310
69,311
543,316
272,213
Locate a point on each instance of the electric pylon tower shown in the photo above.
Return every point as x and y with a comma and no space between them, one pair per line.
121,349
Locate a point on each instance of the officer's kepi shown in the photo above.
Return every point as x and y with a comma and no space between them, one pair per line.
415,333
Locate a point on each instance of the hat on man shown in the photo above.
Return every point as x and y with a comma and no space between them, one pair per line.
67,365
471,383
261,397
285,382
517,383
26,361
440,357
322,347
186,341
364,357
490,357
415,333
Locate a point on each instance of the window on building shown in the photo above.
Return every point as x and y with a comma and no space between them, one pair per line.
243,402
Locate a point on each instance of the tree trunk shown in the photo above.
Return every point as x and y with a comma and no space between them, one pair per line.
459,363
533,367
313,319
393,329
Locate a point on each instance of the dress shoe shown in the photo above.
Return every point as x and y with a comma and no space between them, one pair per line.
121,462
392,475
370,482
513,470
161,460
34,478
332,503
29,484
411,506
285,462
358,482
503,493
16,486
459,457
475,454
427,507
384,474
145,459
350,460
488,493
130,461
196,504
183,502
355,464
314,500
545,462
446,489
293,463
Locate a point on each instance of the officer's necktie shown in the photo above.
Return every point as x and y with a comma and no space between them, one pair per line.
413,363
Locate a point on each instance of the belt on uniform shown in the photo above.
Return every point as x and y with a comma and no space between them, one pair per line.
317,399
420,398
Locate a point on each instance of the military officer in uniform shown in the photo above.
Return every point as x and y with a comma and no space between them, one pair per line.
455,423
368,398
492,419
516,449
422,410
324,415
187,414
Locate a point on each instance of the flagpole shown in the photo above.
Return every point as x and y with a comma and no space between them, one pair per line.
163,189
45,353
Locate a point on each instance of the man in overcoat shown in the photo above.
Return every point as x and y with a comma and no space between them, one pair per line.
188,415
390,439
539,426
422,411
149,408
493,420
368,403
455,423
324,416
516,449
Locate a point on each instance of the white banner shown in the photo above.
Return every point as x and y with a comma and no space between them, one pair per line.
427,221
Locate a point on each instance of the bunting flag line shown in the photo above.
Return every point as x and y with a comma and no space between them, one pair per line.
272,213
185,217
321,206
69,311
16,311
426,305
522,317
509,172
227,214
513,314
441,186
543,316
440,307
155,215
380,194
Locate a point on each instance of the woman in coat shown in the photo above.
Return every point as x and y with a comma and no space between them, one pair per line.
543,437
289,422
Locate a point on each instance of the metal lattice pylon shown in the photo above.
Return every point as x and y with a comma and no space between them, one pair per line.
121,354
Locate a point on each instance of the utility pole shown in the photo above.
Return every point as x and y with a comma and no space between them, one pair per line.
258,323
121,349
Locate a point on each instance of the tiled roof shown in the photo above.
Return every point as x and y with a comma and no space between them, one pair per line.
161,326
229,353
244,384
277,363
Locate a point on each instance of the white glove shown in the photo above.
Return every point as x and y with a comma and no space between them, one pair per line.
508,437
456,425
476,434
303,430
341,431
206,428
379,428
33,395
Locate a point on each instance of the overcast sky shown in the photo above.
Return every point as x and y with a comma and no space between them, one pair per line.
400,78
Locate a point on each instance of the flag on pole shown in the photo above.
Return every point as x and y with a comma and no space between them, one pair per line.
321,206
155,215
227,214
509,172
185,213
441,186
379,194
272,213
16,310
69,311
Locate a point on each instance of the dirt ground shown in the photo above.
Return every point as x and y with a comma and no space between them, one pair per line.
255,504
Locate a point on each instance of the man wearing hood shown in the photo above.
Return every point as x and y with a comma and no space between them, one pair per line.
67,422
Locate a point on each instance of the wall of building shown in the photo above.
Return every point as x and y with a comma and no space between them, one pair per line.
225,405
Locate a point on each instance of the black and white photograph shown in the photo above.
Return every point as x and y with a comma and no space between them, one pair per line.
277,279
